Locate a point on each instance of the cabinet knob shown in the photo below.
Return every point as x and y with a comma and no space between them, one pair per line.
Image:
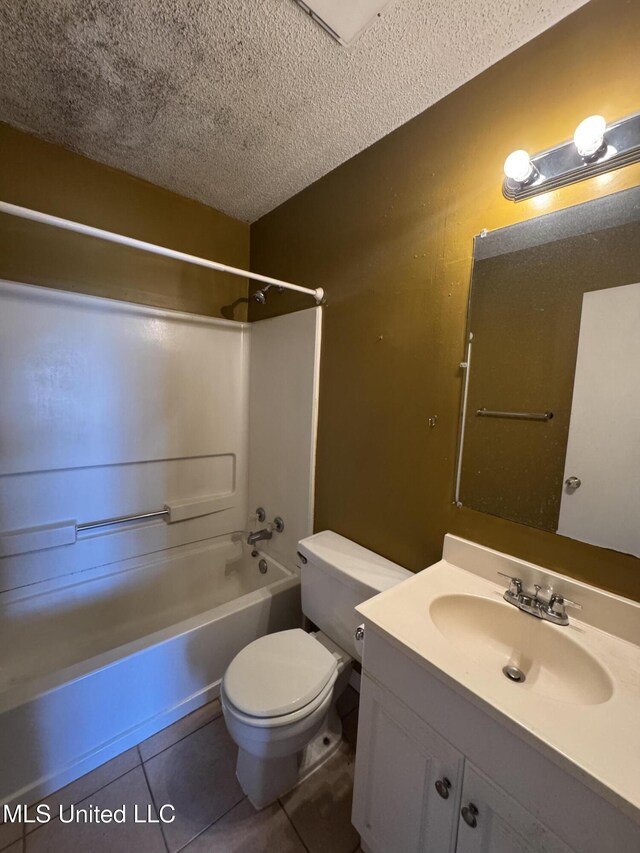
470,815
443,787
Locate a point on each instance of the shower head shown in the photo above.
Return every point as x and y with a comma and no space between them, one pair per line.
261,295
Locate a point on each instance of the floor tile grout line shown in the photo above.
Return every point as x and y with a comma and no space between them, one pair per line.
24,834
286,813
75,803
15,840
155,754
86,797
141,763
153,800
208,827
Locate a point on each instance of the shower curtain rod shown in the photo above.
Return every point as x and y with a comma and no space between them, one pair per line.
112,237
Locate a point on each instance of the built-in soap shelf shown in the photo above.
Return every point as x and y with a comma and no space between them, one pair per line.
66,532
182,510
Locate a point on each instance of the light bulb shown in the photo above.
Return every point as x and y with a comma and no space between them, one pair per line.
518,166
589,135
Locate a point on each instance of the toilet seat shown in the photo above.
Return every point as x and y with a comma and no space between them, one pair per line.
282,719
279,678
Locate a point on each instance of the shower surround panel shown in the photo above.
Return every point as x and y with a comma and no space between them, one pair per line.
109,410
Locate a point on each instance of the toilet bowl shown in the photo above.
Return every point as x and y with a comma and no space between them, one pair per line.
279,693
278,698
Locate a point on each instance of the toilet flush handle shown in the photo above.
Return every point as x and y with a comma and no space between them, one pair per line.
359,633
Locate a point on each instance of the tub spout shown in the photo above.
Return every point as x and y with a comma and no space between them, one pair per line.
259,535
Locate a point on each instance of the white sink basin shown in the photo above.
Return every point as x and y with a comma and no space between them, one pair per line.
495,634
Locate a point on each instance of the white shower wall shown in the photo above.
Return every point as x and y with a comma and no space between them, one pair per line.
111,409
283,410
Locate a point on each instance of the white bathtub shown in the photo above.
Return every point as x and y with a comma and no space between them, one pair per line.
89,671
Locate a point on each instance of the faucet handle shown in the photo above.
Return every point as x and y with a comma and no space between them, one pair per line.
515,584
560,600
557,607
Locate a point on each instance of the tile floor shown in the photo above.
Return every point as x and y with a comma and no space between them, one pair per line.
191,765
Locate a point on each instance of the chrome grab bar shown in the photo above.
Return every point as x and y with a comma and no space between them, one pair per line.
122,519
66,532
520,416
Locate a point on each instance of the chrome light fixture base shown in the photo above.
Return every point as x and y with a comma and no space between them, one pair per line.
562,165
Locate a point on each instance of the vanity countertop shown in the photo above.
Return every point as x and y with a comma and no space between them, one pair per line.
580,700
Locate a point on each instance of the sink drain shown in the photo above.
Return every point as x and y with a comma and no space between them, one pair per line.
513,673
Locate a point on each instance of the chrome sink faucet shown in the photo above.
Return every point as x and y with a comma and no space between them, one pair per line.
543,603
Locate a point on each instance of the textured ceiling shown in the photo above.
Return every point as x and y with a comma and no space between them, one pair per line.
240,104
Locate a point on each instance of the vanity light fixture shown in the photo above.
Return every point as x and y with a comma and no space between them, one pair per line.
596,148
518,167
589,137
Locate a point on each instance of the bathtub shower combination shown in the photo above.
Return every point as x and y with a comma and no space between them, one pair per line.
110,633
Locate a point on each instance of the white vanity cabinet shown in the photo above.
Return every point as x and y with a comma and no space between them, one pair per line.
493,822
415,793
399,761
455,755
416,731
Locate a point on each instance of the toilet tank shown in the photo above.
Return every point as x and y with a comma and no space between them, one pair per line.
336,575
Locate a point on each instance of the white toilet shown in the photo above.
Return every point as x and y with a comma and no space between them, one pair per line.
279,693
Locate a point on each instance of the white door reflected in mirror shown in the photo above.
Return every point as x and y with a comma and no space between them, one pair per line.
604,430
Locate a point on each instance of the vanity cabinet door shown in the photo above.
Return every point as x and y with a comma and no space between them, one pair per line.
493,822
399,759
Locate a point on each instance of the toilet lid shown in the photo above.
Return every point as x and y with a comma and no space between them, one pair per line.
278,674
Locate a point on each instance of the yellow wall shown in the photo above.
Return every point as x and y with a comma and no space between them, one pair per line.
389,235
46,177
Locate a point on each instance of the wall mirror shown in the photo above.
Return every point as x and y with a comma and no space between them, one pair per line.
550,419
